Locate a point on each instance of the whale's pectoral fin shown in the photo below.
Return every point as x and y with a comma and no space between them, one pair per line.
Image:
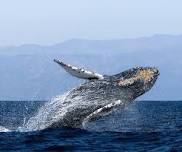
102,112
79,72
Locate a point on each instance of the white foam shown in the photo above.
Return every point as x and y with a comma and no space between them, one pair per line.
51,112
3,129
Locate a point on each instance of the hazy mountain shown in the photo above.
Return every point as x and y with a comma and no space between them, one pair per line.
28,72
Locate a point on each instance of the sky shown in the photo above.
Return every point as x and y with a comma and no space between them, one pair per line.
47,22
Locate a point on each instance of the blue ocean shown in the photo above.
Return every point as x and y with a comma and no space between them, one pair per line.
154,126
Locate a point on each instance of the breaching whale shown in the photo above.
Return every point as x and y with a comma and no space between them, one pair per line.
102,94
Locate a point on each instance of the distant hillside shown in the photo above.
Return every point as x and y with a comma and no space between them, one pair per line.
29,73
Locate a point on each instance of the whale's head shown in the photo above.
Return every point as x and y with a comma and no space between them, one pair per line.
139,80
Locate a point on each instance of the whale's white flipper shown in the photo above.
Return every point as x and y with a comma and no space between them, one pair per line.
103,111
79,72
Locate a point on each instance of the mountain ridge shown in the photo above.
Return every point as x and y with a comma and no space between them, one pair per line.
28,71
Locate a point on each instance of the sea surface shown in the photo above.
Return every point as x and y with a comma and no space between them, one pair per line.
154,126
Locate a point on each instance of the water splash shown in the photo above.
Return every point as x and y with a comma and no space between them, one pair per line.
51,112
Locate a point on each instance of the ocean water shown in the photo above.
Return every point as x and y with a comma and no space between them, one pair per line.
153,126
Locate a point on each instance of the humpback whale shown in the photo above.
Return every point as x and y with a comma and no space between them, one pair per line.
102,94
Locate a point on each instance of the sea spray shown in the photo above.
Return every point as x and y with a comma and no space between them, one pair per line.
3,129
51,112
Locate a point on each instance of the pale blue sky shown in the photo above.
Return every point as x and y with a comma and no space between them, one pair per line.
51,21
